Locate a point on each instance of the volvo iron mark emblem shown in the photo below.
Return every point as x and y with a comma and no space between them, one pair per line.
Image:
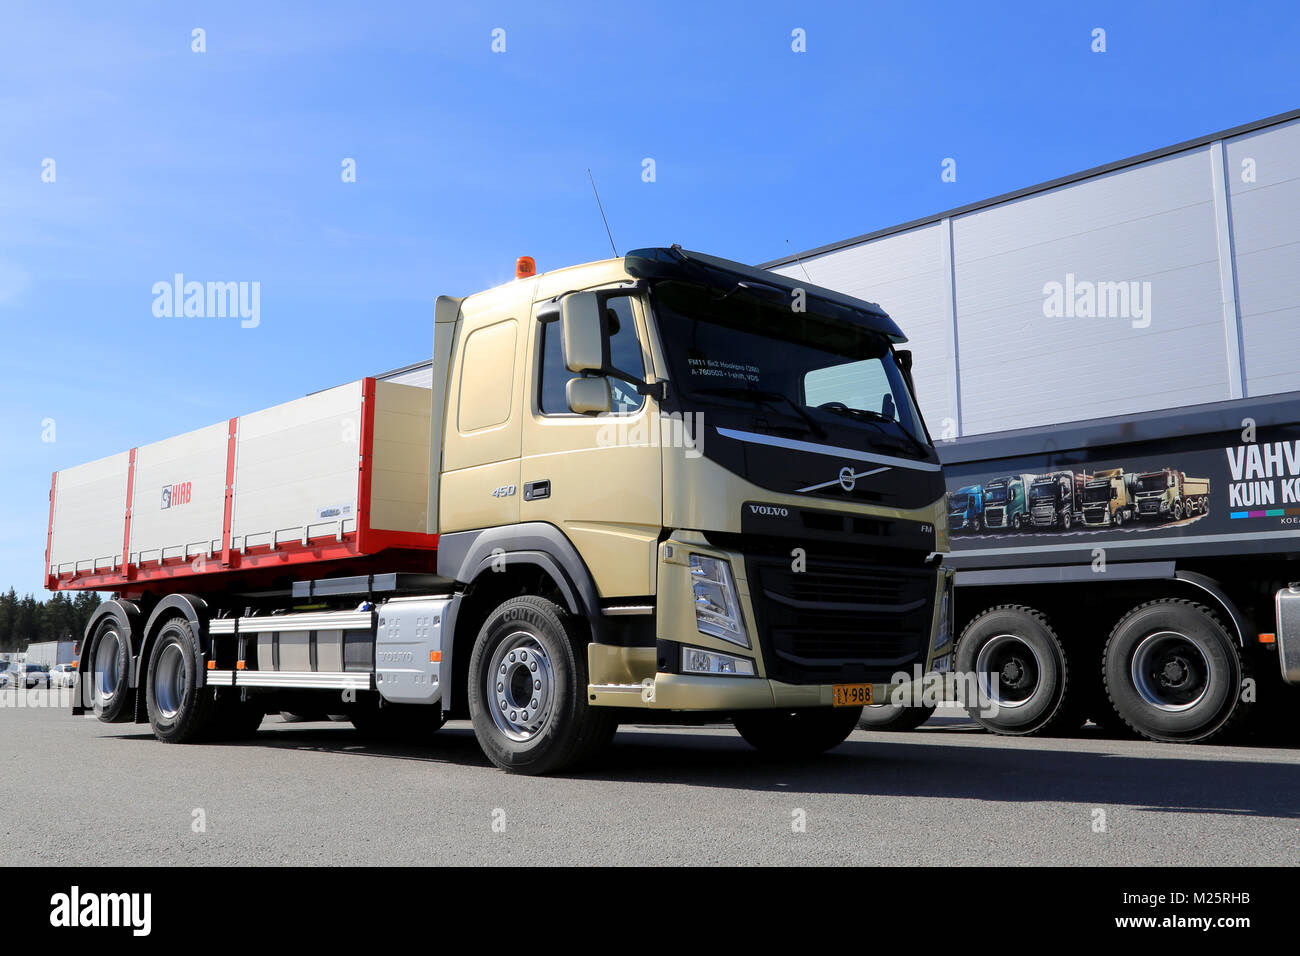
848,479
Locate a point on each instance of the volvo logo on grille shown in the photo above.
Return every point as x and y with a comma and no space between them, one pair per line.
770,510
847,478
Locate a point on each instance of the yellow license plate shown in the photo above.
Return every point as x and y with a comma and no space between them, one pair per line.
851,695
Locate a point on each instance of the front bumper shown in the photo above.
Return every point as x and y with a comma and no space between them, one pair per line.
798,648
702,693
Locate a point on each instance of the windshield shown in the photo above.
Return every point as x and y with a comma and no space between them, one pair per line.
995,494
820,373
958,502
1152,482
1043,492
1094,494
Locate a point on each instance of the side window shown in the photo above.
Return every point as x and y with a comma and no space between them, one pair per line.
624,354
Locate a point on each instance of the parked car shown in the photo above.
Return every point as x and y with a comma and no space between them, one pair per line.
63,675
27,676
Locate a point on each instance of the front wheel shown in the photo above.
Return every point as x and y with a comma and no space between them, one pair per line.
528,689
797,733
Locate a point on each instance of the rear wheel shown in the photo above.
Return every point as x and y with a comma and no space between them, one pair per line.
179,710
797,733
110,662
1173,672
528,689
894,716
1020,671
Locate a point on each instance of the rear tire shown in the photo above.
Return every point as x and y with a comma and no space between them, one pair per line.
109,674
1017,646
179,710
528,689
797,733
898,717
1173,672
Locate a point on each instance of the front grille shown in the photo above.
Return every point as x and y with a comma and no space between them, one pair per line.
995,517
840,619
1150,506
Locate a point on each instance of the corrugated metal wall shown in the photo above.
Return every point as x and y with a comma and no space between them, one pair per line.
1205,238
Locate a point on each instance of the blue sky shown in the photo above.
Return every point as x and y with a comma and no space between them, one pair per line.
226,166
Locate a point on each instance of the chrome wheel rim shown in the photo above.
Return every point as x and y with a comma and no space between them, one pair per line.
170,678
520,686
1170,672
1016,665
108,663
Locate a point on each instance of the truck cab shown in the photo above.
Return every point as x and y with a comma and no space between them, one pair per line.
966,509
1005,502
1053,499
1108,498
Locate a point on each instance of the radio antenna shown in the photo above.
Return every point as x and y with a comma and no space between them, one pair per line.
800,261
601,206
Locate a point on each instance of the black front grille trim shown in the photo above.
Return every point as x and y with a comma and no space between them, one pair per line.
841,619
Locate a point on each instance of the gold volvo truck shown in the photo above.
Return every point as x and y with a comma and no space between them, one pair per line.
664,482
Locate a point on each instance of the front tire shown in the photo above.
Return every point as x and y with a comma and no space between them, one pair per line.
797,733
1173,672
528,689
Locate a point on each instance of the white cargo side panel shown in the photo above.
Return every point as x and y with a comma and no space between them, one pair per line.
179,495
296,469
89,515
399,482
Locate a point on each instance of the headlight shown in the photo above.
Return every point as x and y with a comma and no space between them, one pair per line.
698,661
717,612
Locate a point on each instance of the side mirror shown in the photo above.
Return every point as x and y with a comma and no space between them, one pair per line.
588,396
887,406
585,347
904,359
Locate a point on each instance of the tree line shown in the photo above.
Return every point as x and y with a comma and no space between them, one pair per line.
26,620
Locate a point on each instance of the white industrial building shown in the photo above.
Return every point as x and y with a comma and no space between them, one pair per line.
1209,230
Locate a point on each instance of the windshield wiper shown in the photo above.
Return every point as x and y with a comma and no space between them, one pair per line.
870,417
762,395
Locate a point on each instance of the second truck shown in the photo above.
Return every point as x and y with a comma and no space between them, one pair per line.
660,483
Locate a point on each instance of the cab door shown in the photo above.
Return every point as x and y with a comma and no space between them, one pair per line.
596,477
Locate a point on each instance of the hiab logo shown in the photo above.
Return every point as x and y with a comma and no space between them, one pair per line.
173,496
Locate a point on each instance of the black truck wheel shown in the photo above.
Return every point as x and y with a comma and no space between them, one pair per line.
1173,672
528,689
894,717
1020,672
797,733
111,698
179,710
